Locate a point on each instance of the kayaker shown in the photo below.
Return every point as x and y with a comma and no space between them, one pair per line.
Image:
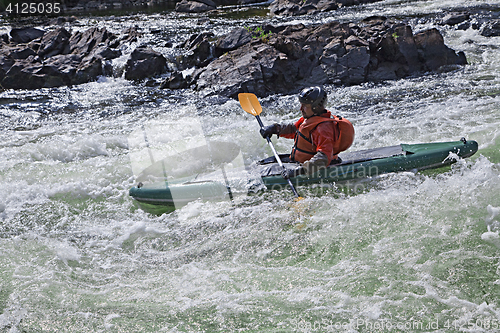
318,135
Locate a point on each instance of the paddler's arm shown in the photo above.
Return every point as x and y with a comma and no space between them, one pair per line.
281,130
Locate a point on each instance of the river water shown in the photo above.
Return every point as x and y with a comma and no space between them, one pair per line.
404,252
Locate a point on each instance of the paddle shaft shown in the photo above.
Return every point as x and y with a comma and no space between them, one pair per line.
277,156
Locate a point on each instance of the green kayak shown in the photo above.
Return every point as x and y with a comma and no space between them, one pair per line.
170,194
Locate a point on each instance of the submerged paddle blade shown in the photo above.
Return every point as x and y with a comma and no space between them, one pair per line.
250,103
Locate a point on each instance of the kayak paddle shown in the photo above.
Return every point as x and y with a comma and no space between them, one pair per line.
250,104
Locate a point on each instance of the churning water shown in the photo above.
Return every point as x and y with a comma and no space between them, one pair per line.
400,253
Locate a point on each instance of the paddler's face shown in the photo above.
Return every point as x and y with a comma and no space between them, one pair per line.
306,110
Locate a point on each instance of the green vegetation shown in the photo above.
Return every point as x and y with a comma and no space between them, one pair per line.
259,32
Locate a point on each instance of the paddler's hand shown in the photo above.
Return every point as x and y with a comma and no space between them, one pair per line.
268,131
290,173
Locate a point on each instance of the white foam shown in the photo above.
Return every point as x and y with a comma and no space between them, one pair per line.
492,238
65,149
493,211
65,251
107,321
136,230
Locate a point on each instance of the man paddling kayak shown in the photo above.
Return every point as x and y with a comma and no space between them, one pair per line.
318,135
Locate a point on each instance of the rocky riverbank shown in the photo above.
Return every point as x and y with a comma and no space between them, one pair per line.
277,7
289,57
263,59
32,58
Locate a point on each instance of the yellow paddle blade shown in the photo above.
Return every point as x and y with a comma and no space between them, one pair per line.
250,103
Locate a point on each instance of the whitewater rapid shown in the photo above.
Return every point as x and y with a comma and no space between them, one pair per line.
401,252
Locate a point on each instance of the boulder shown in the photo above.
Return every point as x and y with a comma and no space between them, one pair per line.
433,53
82,43
105,52
455,18
22,74
199,51
304,7
232,41
295,56
56,59
144,62
188,6
59,70
394,55
88,69
130,35
290,58
22,53
491,29
25,35
263,60
255,67
54,42
175,81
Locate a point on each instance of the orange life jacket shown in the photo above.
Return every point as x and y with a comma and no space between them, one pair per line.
304,149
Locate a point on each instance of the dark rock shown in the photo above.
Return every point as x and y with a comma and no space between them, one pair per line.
130,35
355,62
254,67
22,53
434,53
263,60
35,45
25,35
144,62
6,62
455,18
196,39
88,69
58,71
200,51
67,59
54,42
4,38
82,43
175,81
301,7
106,53
491,29
464,26
296,56
232,41
356,41
200,6
395,55
284,8
22,75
